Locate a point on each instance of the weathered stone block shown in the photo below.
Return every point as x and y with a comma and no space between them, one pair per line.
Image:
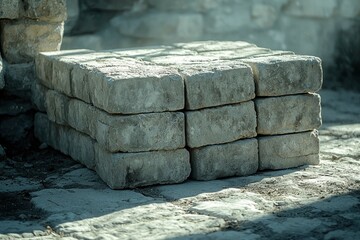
129,170
209,85
77,145
287,151
38,96
44,10
19,78
9,9
288,114
23,40
286,74
134,87
125,133
220,125
206,46
226,160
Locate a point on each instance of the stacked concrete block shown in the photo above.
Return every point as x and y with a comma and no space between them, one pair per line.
125,110
151,115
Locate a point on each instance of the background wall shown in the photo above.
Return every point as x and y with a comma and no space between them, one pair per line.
329,29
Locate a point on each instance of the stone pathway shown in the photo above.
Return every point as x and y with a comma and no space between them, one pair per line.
45,195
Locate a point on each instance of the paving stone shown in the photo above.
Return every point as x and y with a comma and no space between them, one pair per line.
22,40
124,133
70,142
129,170
209,85
288,114
220,124
226,160
286,74
287,151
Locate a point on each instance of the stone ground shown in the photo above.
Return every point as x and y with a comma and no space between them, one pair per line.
46,195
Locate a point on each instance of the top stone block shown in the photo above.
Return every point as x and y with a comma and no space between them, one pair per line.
112,83
286,74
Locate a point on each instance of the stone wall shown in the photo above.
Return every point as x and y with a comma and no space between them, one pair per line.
319,28
27,27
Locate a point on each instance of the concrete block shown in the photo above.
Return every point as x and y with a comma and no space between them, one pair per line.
286,74
238,158
209,85
9,9
38,96
19,79
44,10
22,40
130,170
288,114
77,145
124,133
57,106
287,151
220,124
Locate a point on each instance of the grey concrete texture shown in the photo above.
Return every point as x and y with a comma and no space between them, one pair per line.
117,85
22,40
288,151
288,114
216,84
286,74
129,170
65,139
238,158
118,133
220,124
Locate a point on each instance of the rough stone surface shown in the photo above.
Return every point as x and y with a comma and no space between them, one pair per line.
111,5
226,160
70,142
9,9
125,86
124,133
288,114
187,5
219,84
19,79
38,96
23,40
287,74
207,46
44,64
129,170
220,124
287,151
44,10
